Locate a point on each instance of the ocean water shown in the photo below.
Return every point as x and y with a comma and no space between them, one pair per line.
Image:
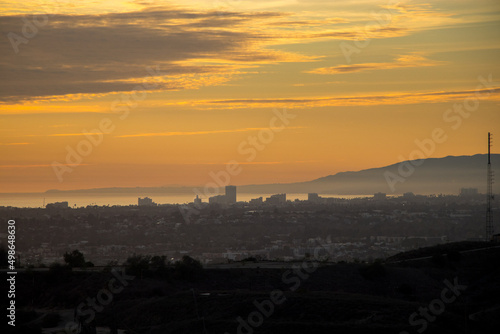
37,200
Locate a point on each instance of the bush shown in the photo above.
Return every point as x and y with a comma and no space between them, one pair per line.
137,265
158,262
74,259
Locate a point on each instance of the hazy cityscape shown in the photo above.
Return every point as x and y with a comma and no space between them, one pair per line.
272,229
250,167
227,252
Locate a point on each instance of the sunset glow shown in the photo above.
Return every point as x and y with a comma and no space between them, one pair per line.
158,93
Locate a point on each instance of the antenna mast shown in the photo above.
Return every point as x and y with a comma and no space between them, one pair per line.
489,196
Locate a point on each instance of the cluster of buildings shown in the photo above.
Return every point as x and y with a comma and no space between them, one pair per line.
146,201
228,198
316,199
469,192
57,205
356,228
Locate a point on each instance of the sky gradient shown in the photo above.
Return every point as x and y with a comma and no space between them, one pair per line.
157,93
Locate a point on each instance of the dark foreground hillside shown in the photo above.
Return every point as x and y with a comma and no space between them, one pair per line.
448,292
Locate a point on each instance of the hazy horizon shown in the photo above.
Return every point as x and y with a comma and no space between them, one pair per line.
188,189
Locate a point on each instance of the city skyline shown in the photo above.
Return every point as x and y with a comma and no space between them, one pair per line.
131,94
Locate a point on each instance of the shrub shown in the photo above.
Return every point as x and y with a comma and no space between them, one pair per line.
74,259
137,264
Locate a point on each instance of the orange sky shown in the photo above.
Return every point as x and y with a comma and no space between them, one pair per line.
159,93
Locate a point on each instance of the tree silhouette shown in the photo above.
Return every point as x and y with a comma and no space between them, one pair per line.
74,259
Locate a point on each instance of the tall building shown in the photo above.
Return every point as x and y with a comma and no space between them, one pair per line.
197,201
468,192
230,194
313,197
146,201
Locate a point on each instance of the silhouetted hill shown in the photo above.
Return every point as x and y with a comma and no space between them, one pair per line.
429,176
334,298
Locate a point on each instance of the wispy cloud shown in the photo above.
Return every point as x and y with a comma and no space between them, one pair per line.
195,133
17,109
389,98
318,83
64,134
254,162
74,134
78,55
87,56
303,23
404,61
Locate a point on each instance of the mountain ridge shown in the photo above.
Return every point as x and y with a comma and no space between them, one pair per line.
424,176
